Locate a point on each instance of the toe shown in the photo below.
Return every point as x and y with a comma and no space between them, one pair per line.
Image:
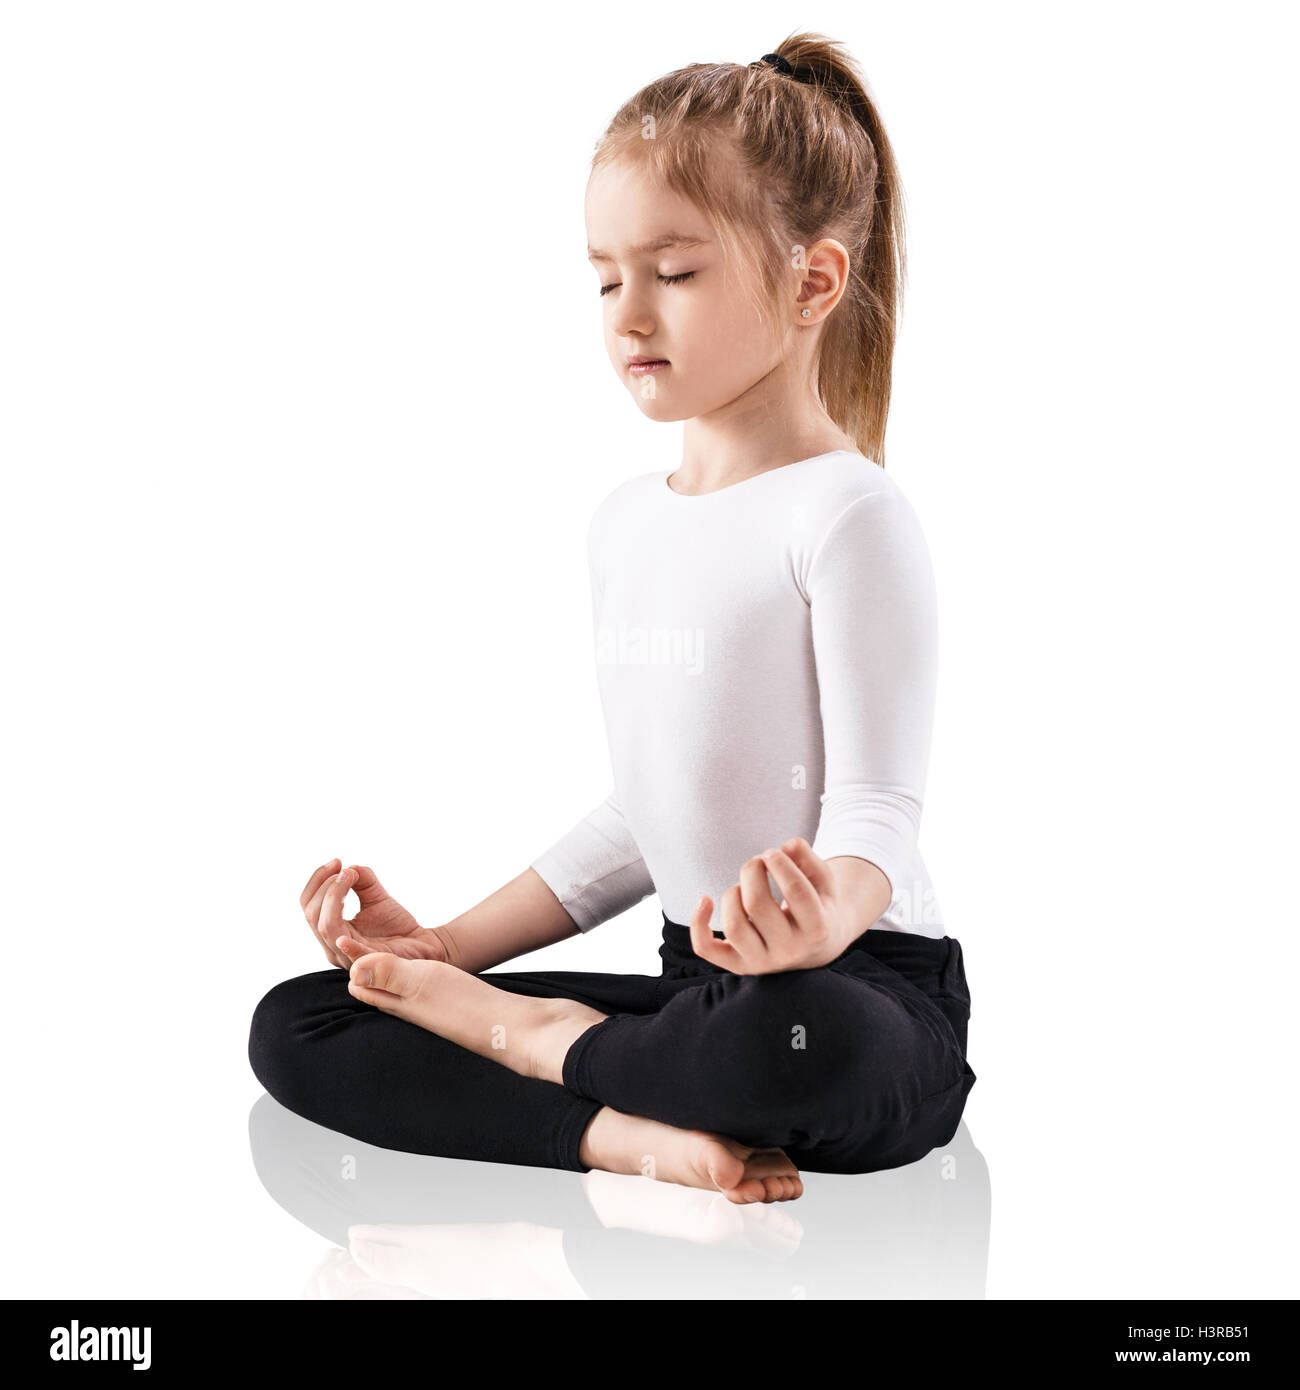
382,971
381,979
725,1168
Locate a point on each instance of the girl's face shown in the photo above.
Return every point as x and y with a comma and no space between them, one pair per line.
683,331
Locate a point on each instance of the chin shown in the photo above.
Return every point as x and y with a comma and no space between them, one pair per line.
661,412
659,408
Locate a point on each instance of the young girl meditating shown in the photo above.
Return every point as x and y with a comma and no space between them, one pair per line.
765,633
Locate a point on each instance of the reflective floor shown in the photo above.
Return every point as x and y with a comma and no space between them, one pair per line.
396,1225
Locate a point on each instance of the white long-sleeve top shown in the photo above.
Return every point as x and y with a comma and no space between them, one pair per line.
766,655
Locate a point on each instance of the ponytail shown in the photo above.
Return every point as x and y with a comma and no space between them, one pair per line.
855,372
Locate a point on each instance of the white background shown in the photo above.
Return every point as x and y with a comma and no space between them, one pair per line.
305,412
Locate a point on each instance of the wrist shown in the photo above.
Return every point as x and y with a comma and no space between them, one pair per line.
864,892
446,939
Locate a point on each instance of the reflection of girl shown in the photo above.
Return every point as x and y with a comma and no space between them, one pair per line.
768,698
408,1225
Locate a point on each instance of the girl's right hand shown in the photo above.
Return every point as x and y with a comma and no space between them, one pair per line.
383,924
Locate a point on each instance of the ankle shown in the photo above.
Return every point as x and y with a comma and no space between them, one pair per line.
598,1149
618,1143
557,1025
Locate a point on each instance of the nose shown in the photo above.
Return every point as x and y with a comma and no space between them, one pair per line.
631,316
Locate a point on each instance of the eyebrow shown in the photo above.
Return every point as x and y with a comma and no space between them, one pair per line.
659,243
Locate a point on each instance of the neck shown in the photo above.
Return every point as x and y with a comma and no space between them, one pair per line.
763,429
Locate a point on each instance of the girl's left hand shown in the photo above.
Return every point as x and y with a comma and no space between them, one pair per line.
810,928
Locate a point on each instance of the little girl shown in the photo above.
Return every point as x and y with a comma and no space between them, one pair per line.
765,632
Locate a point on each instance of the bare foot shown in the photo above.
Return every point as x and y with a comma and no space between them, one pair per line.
621,1143
530,1036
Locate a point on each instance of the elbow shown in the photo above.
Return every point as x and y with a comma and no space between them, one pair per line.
877,823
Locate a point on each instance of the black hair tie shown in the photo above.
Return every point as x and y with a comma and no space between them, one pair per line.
774,60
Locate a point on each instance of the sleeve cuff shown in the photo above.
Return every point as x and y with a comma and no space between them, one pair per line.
596,869
886,836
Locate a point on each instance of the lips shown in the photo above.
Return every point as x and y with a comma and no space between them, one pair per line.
645,366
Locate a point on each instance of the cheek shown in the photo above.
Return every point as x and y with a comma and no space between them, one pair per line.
727,344
724,318
613,345
697,324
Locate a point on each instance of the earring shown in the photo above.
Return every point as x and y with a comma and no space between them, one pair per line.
806,313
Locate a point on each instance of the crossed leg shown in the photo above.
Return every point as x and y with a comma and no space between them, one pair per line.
532,1037
730,1083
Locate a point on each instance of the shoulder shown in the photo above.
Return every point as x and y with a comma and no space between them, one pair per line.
859,520
836,481
621,508
623,499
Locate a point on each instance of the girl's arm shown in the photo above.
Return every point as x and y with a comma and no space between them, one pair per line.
875,638
590,874
521,916
595,869
874,622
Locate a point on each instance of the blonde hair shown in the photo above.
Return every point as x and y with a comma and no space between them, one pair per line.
815,163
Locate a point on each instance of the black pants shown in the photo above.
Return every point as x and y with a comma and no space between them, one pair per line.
856,1066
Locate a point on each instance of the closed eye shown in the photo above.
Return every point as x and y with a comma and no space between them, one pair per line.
663,280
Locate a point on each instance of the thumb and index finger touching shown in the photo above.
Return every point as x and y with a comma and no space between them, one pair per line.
322,902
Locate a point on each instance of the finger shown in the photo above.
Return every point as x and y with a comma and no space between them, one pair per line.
703,942
315,881
367,887
329,926
354,944
331,954
739,930
757,901
312,910
815,868
336,957
802,899
316,887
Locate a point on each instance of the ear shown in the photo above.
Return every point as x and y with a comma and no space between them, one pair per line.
825,277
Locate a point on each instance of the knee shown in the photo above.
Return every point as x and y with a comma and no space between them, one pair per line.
829,1064
282,1027
804,1012
828,1050
796,1040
